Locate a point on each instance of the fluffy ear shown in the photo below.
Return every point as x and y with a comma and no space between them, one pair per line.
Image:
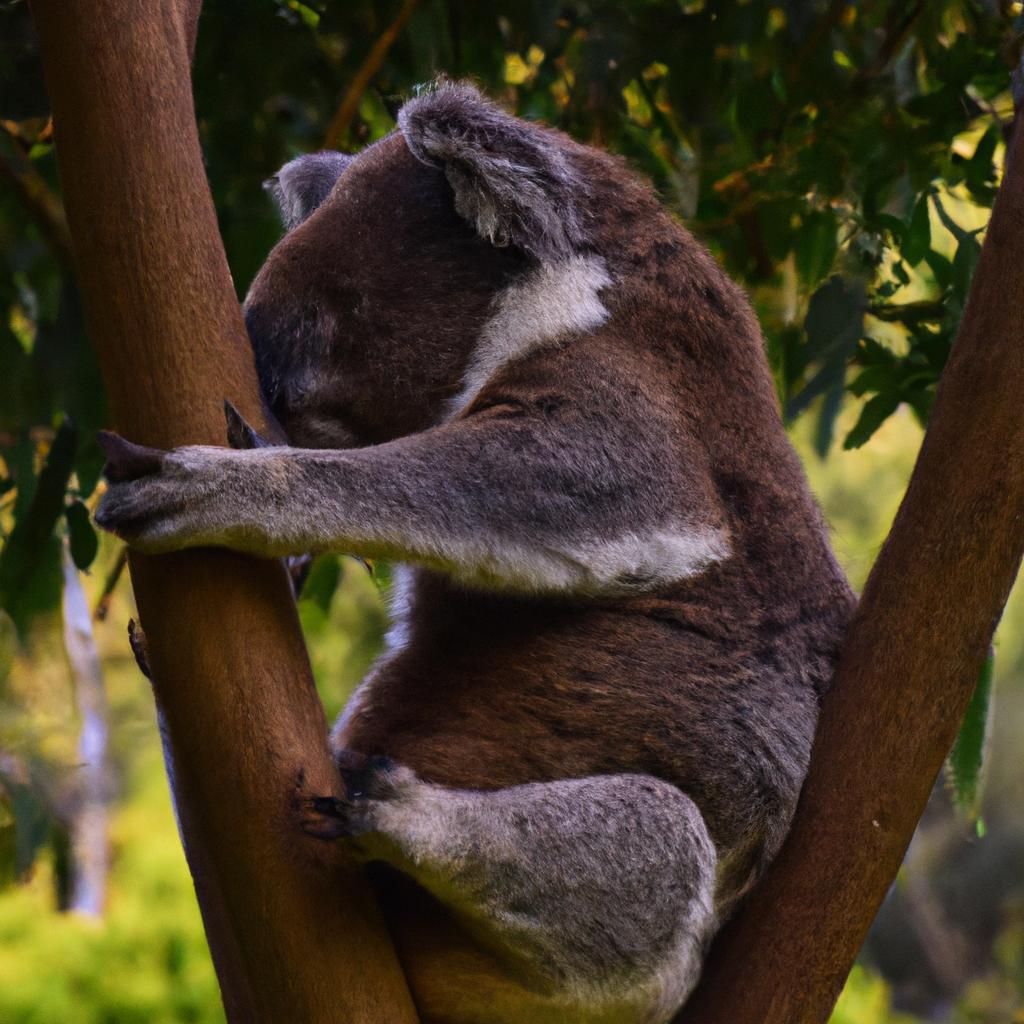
512,179
304,183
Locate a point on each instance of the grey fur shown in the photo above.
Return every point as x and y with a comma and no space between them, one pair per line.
585,515
620,608
509,181
602,885
304,183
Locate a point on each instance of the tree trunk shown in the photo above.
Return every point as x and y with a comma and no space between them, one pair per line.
910,664
293,931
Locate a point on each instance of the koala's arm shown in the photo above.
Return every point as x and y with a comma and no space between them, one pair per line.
531,500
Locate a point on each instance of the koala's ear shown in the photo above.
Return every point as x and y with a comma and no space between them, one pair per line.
512,179
304,183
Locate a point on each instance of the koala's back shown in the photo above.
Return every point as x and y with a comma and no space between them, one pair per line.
711,684
602,685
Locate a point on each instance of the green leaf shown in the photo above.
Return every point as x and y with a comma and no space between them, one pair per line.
30,573
381,573
322,582
834,325
871,352
816,245
966,762
88,466
978,169
824,429
8,645
910,312
32,821
918,239
879,377
775,217
82,537
835,316
964,262
875,412
941,268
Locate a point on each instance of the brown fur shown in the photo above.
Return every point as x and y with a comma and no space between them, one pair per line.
365,321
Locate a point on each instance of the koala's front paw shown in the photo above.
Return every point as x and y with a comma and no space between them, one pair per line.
157,500
369,783
329,818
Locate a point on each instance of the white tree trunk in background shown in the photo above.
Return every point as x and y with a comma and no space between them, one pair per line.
88,824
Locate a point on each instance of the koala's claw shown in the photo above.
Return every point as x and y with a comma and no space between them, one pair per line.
369,782
330,818
140,648
165,501
240,434
126,460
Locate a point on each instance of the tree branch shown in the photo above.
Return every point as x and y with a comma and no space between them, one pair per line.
113,577
910,664
39,201
293,930
338,128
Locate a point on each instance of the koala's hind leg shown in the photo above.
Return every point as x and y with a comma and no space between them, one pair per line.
596,892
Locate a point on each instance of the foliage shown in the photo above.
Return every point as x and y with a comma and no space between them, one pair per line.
837,158
966,760
147,962
840,159
865,1000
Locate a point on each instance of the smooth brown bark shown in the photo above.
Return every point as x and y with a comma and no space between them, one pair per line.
293,931
908,670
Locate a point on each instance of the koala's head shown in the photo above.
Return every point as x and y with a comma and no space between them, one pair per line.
367,314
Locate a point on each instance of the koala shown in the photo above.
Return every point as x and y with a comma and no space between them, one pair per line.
501,364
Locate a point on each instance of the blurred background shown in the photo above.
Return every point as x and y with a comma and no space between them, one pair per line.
840,160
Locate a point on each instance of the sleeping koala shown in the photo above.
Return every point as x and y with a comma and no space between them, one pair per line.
501,364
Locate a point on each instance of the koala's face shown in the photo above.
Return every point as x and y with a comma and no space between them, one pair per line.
366,314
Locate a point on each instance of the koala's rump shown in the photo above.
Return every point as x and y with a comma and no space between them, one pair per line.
492,692
455,978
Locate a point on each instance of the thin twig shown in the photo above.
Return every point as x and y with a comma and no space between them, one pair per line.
43,205
99,613
342,119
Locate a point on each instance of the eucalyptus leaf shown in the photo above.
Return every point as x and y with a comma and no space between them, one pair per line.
875,412
82,538
32,820
322,581
817,242
966,762
834,325
30,576
964,262
918,238
8,645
